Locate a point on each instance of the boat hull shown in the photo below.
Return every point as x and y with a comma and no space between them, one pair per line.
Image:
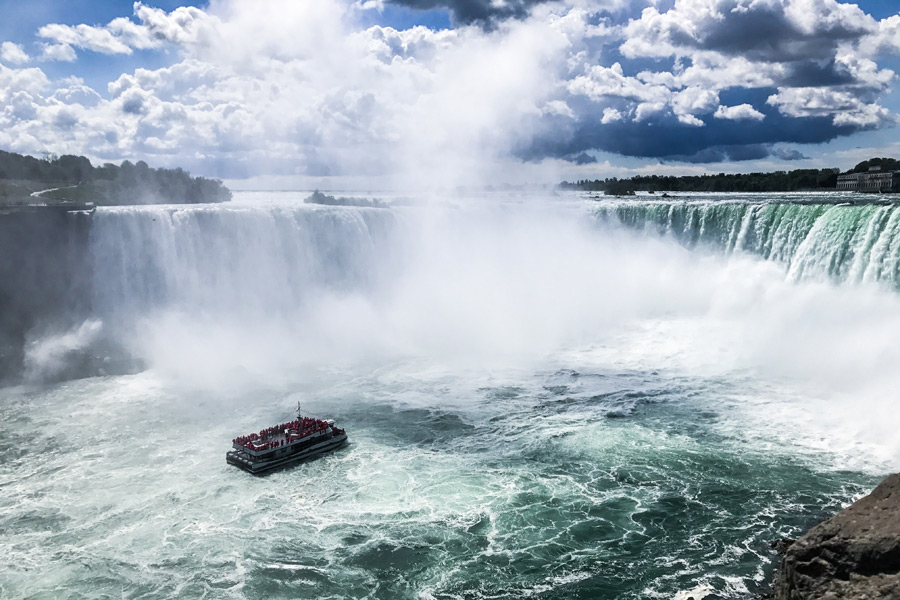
253,465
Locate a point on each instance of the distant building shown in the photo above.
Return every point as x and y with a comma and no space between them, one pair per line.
874,181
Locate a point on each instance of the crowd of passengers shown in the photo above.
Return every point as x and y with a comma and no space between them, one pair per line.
292,432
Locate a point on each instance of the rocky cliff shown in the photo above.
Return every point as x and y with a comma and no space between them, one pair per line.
45,277
855,554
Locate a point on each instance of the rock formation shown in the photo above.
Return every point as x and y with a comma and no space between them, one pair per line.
855,554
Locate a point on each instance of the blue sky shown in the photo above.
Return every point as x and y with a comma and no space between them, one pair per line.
405,90
20,21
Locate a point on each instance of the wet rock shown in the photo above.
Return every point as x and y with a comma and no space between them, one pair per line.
782,545
855,554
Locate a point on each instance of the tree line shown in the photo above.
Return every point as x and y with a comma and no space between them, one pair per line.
884,164
778,181
128,183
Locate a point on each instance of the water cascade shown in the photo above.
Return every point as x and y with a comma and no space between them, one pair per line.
241,258
79,286
842,242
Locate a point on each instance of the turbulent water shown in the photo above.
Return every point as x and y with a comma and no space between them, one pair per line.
540,401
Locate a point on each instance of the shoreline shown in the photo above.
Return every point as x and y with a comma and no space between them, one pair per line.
854,554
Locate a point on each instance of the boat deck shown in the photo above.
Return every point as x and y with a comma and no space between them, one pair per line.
284,444
283,435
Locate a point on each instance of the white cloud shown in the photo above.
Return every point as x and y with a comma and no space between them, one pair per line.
688,119
184,25
285,86
885,41
818,17
741,112
33,81
560,108
611,115
13,54
20,106
714,71
765,30
645,110
84,36
864,71
842,106
866,116
154,29
611,82
60,52
77,93
694,101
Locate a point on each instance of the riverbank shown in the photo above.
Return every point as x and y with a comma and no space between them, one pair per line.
855,554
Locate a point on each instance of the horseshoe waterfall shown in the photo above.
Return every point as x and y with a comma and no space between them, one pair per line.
546,395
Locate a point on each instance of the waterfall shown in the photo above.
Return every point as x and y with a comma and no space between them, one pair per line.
78,285
261,279
232,258
850,243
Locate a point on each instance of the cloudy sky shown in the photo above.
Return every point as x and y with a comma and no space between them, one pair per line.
344,93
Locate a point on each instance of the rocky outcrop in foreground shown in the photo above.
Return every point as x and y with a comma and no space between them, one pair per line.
855,554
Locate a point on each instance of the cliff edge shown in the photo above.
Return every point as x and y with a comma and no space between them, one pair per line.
855,554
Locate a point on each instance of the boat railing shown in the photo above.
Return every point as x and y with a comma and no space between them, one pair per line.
277,436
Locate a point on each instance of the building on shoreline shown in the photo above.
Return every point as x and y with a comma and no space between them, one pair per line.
875,181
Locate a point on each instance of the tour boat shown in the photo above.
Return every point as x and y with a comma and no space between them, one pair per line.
285,444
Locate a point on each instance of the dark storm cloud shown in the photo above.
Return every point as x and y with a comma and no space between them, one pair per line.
718,154
766,34
669,138
788,154
582,159
665,138
483,12
812,73
760,32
